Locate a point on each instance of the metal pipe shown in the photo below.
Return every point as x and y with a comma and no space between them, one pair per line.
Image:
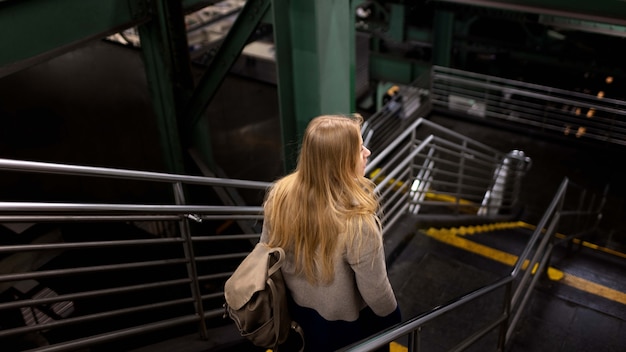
192,270
14,207
65,169
92,317
82,245
90,294
89,269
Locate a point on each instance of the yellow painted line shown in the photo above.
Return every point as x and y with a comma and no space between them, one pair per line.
592,287
396,347
595,247
398,185
449,236
470,230
449,199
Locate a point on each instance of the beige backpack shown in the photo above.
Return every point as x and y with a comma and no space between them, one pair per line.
256,298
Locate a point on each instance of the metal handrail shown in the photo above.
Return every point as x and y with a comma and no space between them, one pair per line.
106,172
187,257
462,175
559,112
518,285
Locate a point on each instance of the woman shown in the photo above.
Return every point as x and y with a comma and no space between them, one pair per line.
324,215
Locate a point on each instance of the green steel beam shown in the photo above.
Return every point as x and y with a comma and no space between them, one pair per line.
419,34
443,32
316,38
32,31
390,68
602,11
193,119
166,59
236,39
586,26
397,23
284,69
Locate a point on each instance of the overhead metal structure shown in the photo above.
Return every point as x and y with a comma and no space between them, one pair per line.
602,11
314,49
315,58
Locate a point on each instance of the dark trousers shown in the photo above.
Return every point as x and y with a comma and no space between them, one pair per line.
323,335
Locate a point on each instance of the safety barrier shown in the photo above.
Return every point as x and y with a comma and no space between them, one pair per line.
78,274
557,112
571,211
431,170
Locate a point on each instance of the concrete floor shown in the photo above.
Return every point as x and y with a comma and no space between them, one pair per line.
428,273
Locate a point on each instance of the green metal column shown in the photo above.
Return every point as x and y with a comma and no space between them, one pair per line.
166,57
316,64
397,23
194,117
442,38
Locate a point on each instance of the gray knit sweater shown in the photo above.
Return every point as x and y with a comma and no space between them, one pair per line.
360,280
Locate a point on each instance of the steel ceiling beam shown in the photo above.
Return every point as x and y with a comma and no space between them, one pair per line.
602,11
34,31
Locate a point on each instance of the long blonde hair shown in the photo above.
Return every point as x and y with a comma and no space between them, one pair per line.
325,203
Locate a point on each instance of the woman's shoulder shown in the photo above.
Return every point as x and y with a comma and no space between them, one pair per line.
366,237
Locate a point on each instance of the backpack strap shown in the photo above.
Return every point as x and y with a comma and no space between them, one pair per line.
276,307
279,254
297,328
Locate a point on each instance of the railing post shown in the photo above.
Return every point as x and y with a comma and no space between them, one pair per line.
191,260
600,208
507,311
461,175
580,222
515,162
414,340
421,182
524,163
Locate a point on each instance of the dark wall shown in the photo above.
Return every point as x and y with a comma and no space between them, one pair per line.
90,107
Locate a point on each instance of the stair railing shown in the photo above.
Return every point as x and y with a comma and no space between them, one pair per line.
553,111
433,171
78,273
517,287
